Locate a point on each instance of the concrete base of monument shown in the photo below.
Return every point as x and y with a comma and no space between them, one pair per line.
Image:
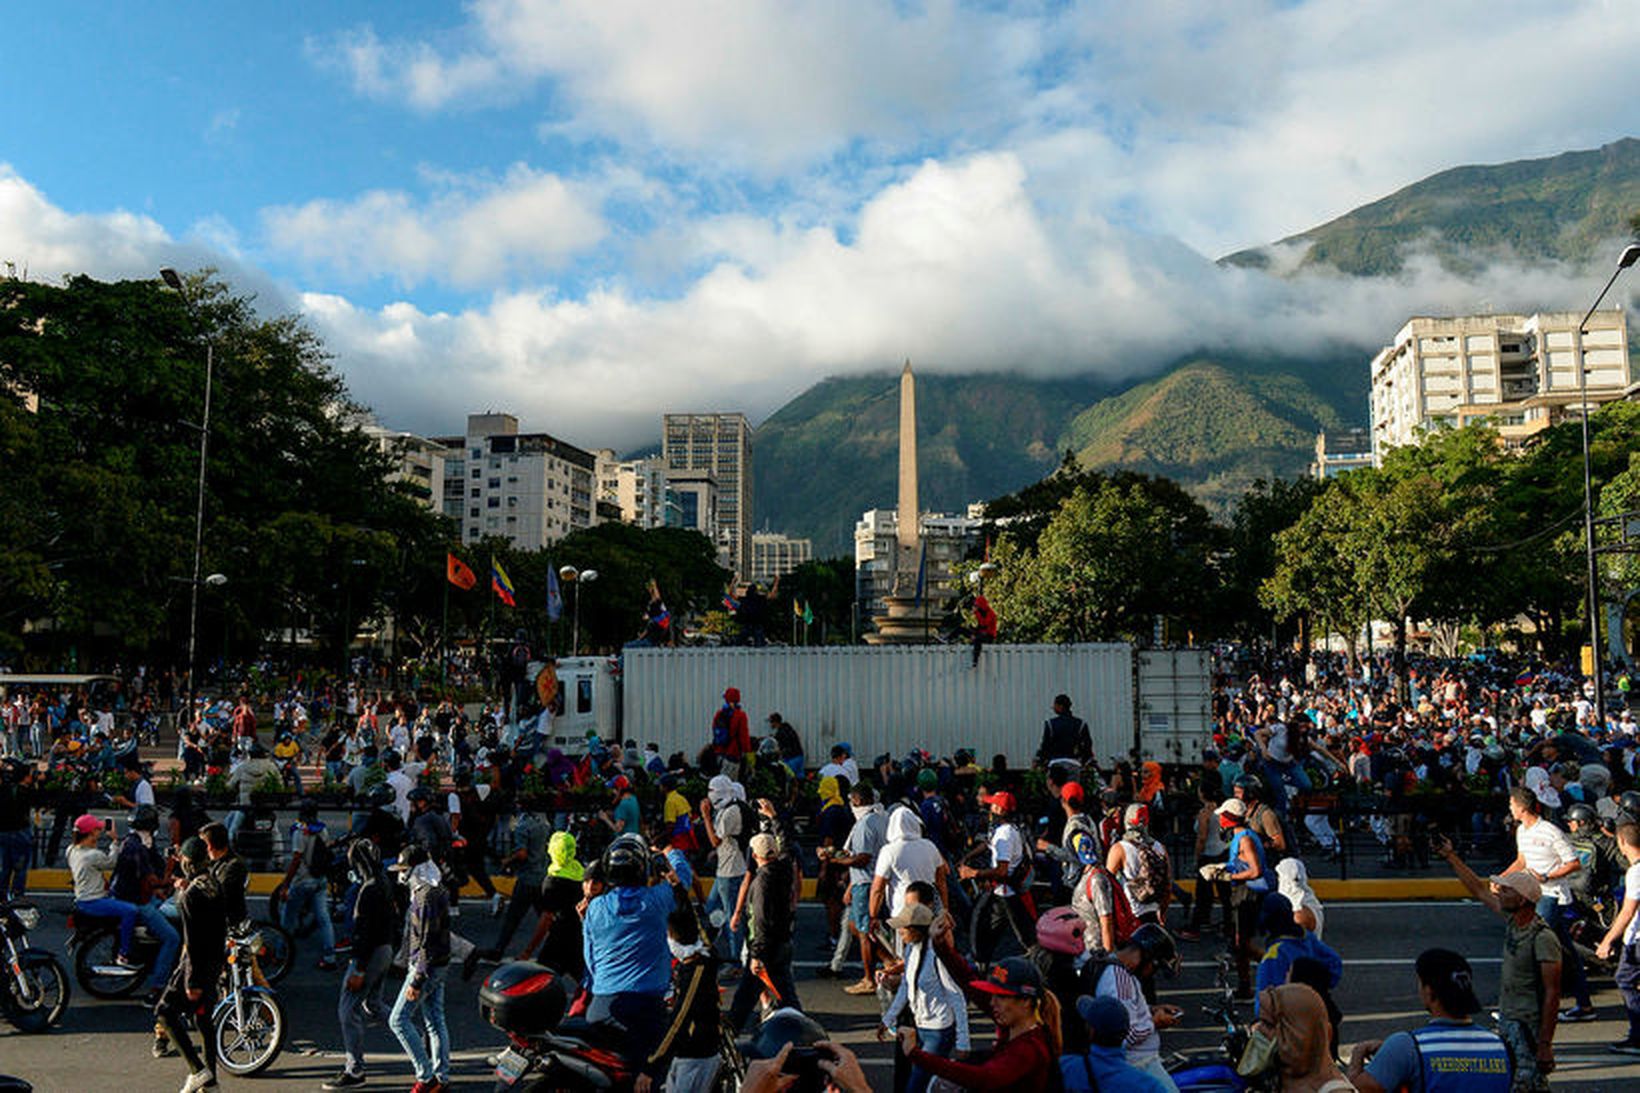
905,620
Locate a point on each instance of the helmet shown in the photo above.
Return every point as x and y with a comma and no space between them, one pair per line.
363,857
307,810
144,818
626,862
781,1027
1581,813
1251,786
1062,930
420,793
1630,802
768,748
380,795
1157,947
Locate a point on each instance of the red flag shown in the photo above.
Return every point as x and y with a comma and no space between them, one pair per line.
458,573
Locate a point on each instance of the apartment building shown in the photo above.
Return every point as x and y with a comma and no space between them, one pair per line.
719,445
944,541
638,489
1518,373
775,555
418,462
530,488
1340,450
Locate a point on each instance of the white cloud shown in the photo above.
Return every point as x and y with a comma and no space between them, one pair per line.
470,234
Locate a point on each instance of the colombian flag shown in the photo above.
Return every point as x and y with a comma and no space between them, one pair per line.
500,583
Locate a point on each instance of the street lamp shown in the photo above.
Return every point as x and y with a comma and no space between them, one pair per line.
1630,255
586,577
172,279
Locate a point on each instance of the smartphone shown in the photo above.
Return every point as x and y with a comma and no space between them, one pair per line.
108,824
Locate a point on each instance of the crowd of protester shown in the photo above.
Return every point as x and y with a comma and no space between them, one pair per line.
1051,891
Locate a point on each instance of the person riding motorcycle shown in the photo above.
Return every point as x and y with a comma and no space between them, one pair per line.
1603,864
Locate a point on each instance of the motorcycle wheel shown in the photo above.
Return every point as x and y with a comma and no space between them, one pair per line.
252,1046
48,984
278,952
98,950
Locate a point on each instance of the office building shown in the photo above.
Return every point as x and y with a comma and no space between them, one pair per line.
775,555
721,446
530,488
1341,450
1517,373
636,487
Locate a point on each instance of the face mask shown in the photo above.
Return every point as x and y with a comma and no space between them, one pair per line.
861,811
1260,1055
680,951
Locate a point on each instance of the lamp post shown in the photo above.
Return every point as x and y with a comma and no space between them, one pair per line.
172,279
586,577
1630,255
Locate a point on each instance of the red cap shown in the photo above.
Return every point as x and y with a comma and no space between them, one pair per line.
1001,799
1072,791
732,695
86,824
1012,977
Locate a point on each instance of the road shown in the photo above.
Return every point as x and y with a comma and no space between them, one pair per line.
105,1044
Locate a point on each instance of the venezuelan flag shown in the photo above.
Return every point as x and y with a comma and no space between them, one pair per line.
500,583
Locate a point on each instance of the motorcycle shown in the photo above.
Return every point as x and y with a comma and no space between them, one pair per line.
35,991
248,1022
94,941
1213,1070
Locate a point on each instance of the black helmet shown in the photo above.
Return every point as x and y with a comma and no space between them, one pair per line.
380,795
420,793
1581,813
363,857
781,1027
626,862
1629,801
144,818
1157,947
1251,786
307,810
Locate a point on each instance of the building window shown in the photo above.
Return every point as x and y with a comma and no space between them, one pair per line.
473,512
494,483
493,503
511,479
477,473
512,502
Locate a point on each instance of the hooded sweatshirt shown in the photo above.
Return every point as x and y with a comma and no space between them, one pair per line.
1293,881
624,936
561,857
906,856
429,922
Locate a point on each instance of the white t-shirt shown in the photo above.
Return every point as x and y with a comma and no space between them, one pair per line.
1130,873
1545,848
1006,846
904,861
402,784
1631,889
143,794
726,821
87,864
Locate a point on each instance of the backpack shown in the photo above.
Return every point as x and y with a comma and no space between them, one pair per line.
322,858
1154,876
720,729
748,828
1121,910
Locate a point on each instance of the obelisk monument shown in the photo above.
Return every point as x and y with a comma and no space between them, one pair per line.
909,515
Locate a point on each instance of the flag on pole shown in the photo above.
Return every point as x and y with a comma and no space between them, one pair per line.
501,584
808,614
458,573
730,603
555,596
797,608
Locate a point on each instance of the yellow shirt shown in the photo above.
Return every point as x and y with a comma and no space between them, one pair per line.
285,749
676,805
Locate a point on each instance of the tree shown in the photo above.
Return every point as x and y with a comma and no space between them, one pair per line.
1267,508
1314,575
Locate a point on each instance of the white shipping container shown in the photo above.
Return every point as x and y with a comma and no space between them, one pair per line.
1175,704
885,699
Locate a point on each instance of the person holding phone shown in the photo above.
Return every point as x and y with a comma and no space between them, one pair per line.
87,863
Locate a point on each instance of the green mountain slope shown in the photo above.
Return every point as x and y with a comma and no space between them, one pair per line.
1567,207
1210,428
832,452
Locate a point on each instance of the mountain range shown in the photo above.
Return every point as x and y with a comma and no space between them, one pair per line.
1212,420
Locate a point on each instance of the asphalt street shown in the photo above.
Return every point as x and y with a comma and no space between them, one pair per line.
103,1045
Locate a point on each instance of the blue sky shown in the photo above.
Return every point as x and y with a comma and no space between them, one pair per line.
591,211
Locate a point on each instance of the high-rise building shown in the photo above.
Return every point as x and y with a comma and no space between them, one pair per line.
637,487
720,445
531,488
942,542
417,462
1340,450
775,555
1518,373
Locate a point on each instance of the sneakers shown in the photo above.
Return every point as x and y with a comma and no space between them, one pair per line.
163,1048
1578,1014
125,961
1625,1047
345,1080
198,1080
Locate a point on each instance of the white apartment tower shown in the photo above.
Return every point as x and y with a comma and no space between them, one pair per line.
637,486
1519,373
775,555
719,445
531,488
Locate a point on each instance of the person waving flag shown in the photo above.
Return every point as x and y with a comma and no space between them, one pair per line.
500,583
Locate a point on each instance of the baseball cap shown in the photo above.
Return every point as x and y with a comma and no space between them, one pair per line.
1523,883
1106,1018
764,845
1000,799
1013,977
913,914
86,824
1235,806
1072,791
927,779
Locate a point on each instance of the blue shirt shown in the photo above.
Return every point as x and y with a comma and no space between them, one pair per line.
1443,1055
1283,951
624,936
1109,1071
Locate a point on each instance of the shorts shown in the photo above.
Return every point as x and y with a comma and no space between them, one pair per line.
859,906
1521,1041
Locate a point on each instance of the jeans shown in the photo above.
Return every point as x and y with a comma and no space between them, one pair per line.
152,917
725,891
1574,981
857,915
350,1005
1278,775
935,1041
429,1007
114,908
693,1075
642,1015
1628,984
777,963
233,821
304,893
16,851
